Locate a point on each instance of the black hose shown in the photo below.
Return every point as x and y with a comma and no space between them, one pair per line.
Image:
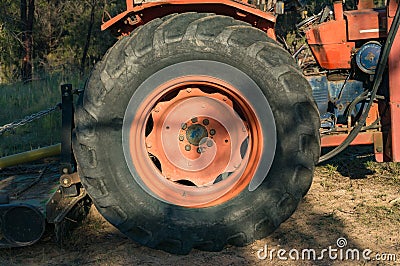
377,81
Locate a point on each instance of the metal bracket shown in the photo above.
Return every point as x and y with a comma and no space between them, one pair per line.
67,180
67,163
66,208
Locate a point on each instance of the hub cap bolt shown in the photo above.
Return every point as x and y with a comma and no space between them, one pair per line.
209,143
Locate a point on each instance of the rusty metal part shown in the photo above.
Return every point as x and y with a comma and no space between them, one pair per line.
67,180
60,204
145,12
66,211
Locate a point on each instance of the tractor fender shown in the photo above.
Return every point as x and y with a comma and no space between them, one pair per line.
135,15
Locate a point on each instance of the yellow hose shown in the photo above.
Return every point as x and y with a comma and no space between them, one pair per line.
30,156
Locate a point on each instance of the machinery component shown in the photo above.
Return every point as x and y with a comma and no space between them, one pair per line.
319,85
67,206
20,225
393,32
67,163
67,180
28,119
367,57
136,15
210,83
30,156
334,98
23,224
342,94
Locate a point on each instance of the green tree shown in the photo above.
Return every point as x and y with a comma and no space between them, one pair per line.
27,8
10,40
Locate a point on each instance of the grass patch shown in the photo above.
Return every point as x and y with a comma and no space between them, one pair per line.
377,214
19,100
386,172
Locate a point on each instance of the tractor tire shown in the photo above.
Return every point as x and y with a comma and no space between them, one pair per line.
196,131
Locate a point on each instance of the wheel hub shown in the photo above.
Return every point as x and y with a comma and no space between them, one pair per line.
202,149
171,108
196,133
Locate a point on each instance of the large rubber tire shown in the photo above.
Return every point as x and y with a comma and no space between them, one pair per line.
198,43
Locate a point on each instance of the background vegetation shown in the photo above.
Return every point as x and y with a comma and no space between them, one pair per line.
66,36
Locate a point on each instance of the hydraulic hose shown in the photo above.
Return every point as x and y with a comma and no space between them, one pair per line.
383,59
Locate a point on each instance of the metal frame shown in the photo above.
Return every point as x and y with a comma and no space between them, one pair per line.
394,91
136,15
67,163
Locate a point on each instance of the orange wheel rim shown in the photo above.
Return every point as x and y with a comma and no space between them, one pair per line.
195,142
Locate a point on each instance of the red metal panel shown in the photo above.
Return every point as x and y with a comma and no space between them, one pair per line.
328,42
333,56
141,14
364,138
364,4
366,24
336,140
394,92
331,32
392,6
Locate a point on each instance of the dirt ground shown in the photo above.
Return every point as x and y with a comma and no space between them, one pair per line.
352,208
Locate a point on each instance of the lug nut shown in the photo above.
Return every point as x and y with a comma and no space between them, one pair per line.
181,137
212,132
199,150
209,143
188,147
194,120
206,122
184,126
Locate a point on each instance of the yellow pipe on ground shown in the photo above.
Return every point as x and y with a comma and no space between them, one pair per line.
30,156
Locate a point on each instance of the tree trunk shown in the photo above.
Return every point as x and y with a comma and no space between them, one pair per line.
88,37
27,16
